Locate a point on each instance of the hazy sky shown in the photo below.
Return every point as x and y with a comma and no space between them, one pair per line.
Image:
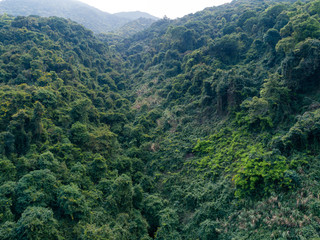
158,8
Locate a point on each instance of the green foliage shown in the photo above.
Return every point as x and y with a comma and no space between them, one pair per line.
183,38
271,108
122,193
47,161
272,37
207,230
7,170
79,134
299,74
71,202
203,127
91,231
37,188
253,169
6,199
258,113
169,222
151,209
80,110
259,171
229,48
303,134
7,230
37,223
98,168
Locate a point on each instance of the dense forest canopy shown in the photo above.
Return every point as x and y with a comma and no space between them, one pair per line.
204,127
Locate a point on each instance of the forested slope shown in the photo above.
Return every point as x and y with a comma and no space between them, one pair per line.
63,173
205,127
237,89
84,14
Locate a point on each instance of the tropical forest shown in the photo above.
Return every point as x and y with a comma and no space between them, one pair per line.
205,127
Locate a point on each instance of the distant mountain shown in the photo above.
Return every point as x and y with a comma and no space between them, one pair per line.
134,26
126,30
90,17
135,15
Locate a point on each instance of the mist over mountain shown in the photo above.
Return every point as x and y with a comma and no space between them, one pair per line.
90,17
135,15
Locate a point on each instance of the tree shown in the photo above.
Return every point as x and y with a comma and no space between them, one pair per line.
93,232
228,48
7,170
272,37
80,110
37,223
7,197
207,230
300,67
37,126
71,202
7,231
79,134
169,222
98,168
152,206
18,126
37,188
47,161
123,193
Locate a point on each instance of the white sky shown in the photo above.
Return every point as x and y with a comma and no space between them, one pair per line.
158,8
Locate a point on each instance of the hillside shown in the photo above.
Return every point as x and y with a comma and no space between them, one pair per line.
235,150
204,127
135,15
90,17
